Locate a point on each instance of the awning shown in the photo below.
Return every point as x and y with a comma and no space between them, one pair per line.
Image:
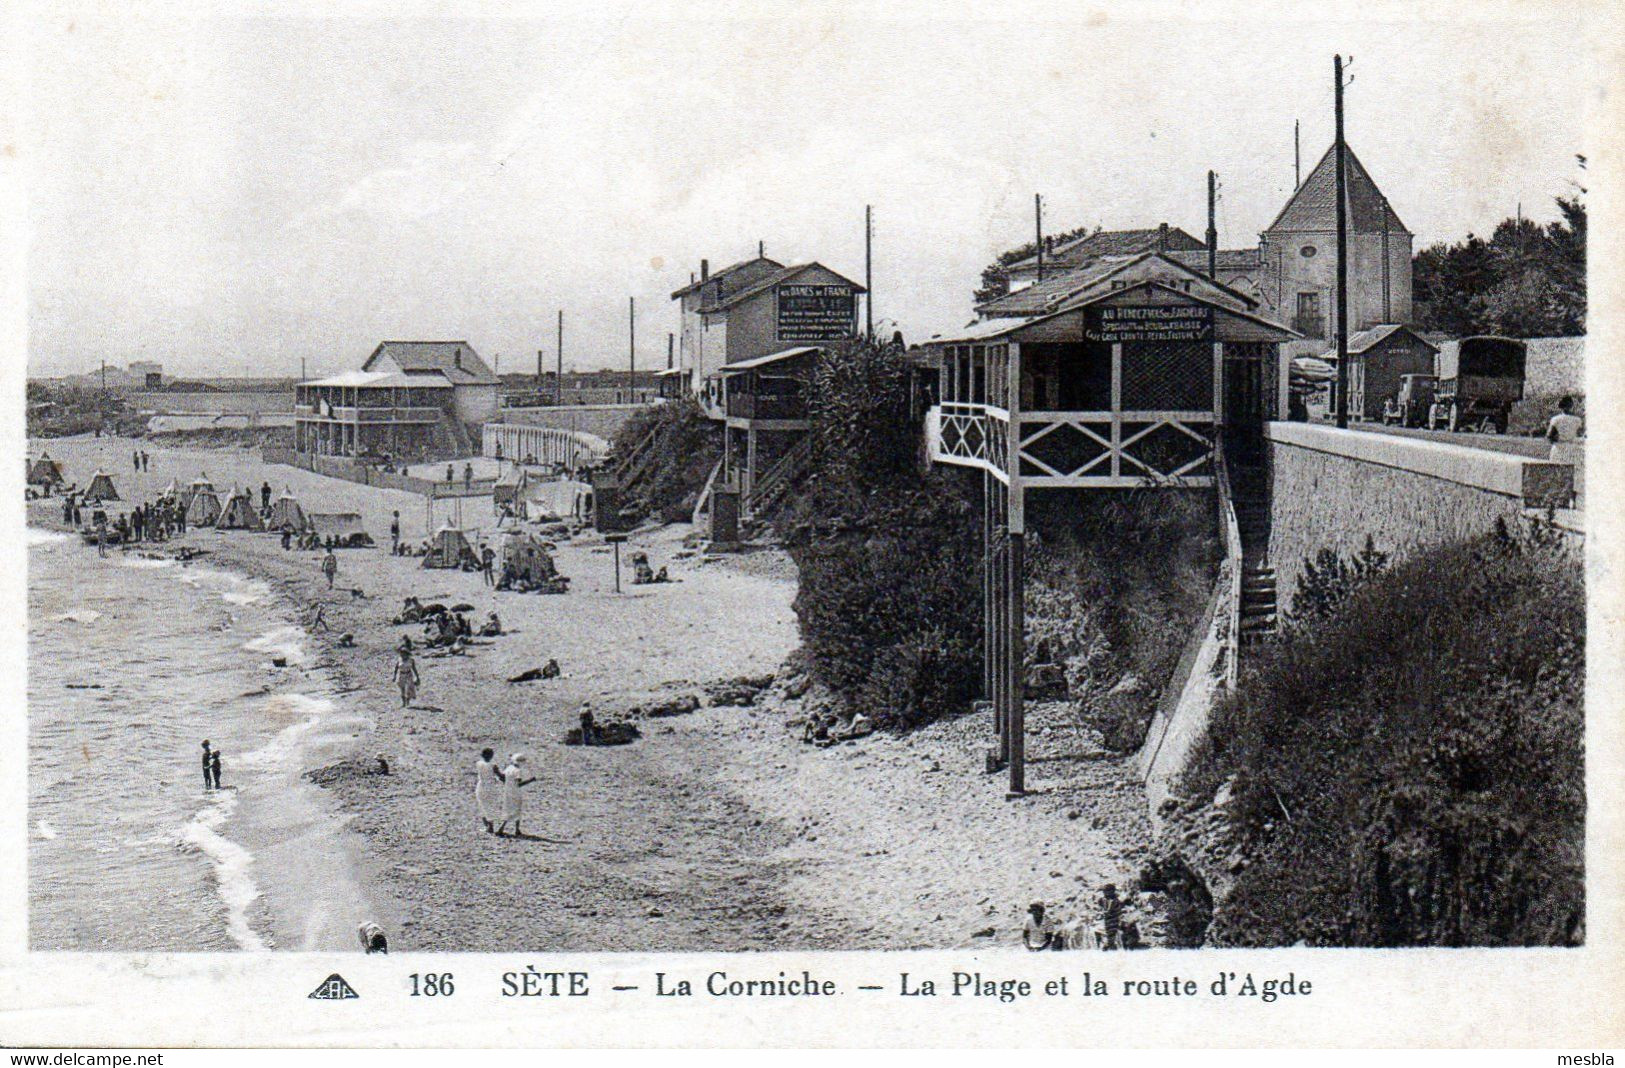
761,361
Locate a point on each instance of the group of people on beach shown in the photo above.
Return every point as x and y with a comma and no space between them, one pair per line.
497,792
140,460
211,767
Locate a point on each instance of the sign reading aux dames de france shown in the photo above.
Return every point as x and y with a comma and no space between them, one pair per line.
816,312
1149,322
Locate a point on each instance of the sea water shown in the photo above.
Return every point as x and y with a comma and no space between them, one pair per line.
133,662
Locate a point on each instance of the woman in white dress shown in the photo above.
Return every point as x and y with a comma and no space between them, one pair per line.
488,789
513,803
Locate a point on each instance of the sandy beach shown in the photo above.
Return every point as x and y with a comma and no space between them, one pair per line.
717,829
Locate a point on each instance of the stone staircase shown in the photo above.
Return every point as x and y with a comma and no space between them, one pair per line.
1259,607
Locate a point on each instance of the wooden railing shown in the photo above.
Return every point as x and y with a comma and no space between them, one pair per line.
767,406
777,480
1232,567
1078,449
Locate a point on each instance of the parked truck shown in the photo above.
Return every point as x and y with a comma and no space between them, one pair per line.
1413,403
1487,383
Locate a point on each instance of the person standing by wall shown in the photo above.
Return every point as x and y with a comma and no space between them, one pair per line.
1563,431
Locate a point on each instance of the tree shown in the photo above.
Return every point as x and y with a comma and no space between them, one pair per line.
996,275
1527,280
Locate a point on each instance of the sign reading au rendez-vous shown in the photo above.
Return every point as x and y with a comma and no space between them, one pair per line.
1149,322
816,312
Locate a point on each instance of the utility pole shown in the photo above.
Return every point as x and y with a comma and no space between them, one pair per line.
671,347
869,267
1342,255
1038,228
1212,226
632,350
1297,159
558,382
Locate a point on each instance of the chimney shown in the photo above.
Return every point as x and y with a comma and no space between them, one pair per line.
1162,238
705,269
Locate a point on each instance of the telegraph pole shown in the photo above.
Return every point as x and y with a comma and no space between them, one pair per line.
1212,226
1342,256
869,267
632,350
1297,159
558,382
1038,229
671,348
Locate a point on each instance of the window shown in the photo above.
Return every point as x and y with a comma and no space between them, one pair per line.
1309,322
1307,251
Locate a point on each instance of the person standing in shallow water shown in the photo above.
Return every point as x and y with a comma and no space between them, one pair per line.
488,789
406,675
214,767
207,765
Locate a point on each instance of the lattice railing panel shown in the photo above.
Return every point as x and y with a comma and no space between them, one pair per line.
1167,376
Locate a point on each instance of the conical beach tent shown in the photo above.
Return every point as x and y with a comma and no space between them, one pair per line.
170,492
45,472
286,514
101,488
238,514
197,485
204,509
449,547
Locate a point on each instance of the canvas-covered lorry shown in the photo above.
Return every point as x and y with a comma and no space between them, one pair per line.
1488,381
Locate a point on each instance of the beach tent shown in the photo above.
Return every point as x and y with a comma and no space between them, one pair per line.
101,488
343,527
171,491
450,547
238,514
509,488
45,472
527,563
286,514
204,509
201,484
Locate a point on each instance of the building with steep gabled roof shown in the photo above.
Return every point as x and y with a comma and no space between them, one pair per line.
1299,254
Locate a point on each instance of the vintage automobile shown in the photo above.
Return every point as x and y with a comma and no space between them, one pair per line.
1412,404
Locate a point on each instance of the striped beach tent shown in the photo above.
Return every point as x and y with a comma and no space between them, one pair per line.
45,472
196,486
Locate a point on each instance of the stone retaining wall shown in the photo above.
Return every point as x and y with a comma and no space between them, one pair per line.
1331,488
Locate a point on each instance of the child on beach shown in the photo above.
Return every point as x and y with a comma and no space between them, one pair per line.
330,567
513,803
406,675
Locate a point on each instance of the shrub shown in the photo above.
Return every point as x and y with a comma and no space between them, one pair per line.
1329,579
1410,769
687,446
889,605
1116,581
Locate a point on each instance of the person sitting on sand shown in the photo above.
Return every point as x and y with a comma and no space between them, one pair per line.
513,803
372,938
492,627
488,789
1035,932
406,675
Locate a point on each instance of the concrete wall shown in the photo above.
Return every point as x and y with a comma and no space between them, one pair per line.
1330,488
602,420
242,403
475,404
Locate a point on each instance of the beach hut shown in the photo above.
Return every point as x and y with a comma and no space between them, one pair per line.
101,488
286,514
450,548
45,472
238,514
204,509
344,528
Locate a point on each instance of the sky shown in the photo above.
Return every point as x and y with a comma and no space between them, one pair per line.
232,195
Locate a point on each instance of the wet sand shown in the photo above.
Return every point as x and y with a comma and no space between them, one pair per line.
717,830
